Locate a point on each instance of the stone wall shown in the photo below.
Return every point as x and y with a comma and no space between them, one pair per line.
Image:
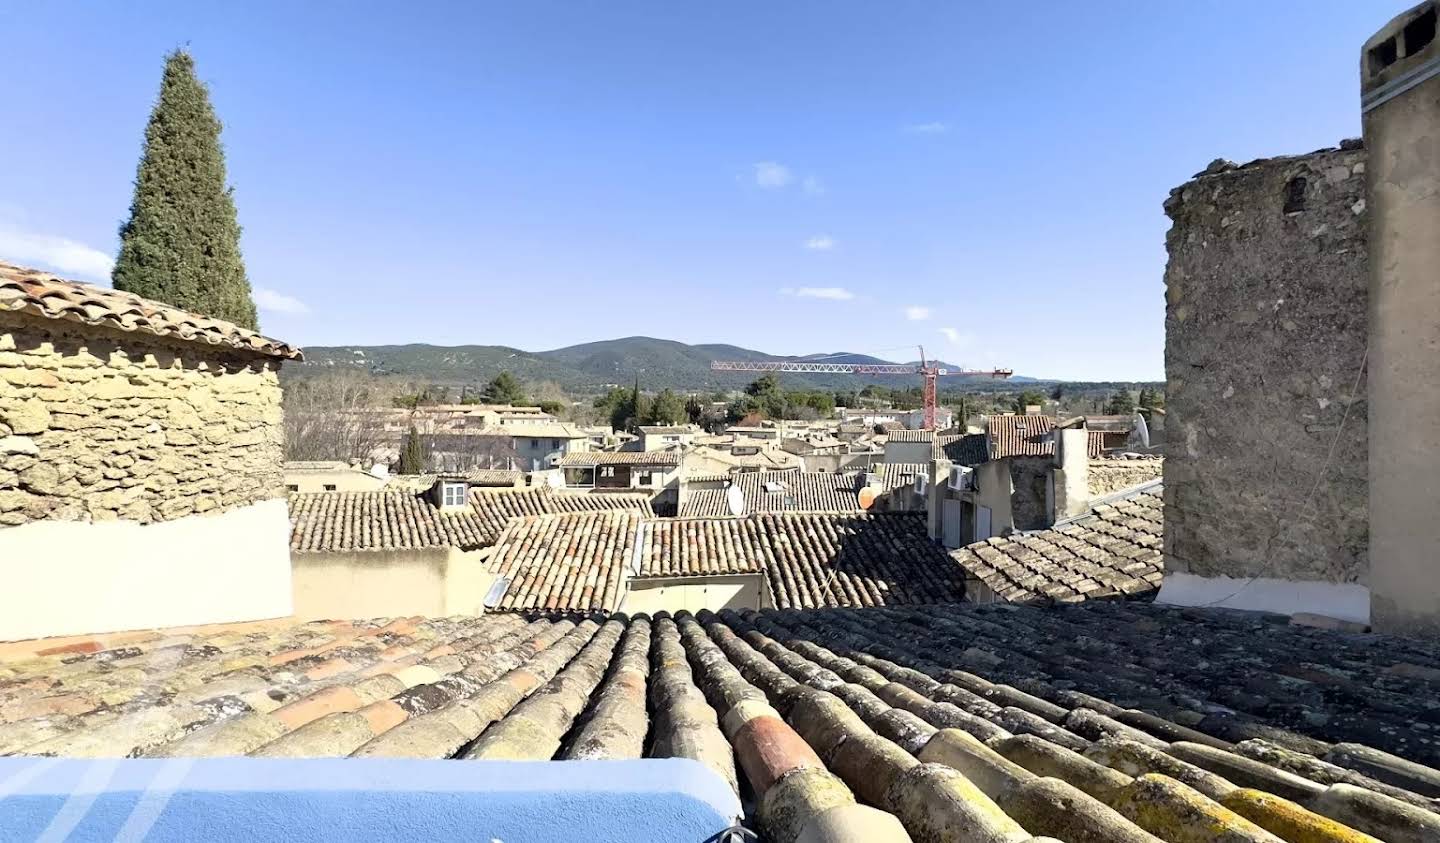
1265,333
1030,495
1107,476
99,424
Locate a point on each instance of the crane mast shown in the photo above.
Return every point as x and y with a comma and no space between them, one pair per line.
929,373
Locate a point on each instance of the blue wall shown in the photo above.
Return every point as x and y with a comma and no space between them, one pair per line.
255,799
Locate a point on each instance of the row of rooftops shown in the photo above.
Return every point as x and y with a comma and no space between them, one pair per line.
806,532
1107,721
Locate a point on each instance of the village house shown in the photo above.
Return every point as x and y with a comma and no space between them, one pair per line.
660,437
331,476
792,491
140,463
400,552
729,455
525,446
627,562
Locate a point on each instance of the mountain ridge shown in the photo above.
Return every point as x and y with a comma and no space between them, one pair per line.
658,363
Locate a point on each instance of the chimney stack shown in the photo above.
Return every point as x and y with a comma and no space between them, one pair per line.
1400,103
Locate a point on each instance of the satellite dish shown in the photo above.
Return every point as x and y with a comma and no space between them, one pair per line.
735,500
1142,430
867,497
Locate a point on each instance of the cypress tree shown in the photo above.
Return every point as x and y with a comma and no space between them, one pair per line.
412,457
181,245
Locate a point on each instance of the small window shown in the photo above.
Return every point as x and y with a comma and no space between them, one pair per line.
1295,195
290,487
452,494
554,444
535,444
607,471
329,487
1420,32
1383,55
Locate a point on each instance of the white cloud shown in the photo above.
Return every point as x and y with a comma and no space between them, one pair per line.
820,243
277,302
932,128
56,254
771,175
957,338
831,293
812,186
917,313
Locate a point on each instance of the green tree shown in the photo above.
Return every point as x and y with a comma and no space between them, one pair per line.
695,409
554,408
1122,403
181,244
1029,398
766,397
1151,398
964,408
667,408
503,389
412,456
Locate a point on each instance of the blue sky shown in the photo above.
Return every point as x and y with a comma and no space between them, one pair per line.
982,178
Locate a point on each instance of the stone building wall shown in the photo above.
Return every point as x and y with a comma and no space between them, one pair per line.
1106,476
1265,333
1030,495
99,424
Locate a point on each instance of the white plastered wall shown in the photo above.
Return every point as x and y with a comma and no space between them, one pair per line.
74,578
1346,601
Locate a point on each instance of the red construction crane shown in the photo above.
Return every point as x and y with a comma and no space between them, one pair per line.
929,372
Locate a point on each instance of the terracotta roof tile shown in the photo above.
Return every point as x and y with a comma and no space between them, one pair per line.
1114,721
589,458
780,491
1030,436
571,562
42,294
1116,550
903,435
809,559
398,520
962,449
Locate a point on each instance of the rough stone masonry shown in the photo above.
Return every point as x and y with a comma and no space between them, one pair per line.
1265,334
98,424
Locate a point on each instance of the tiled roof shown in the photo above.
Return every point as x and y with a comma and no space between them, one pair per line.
589,458
380,519
527,430
317,465
656,429
1105,721
42,294
962,449
825,559
566,563
893,475
493,476
570,562
903,435
794,491
388,519
1029,436
1113,551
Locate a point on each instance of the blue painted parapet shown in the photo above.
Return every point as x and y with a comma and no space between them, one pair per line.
324,799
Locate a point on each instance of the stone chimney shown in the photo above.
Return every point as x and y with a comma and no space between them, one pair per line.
1400,102
1072,473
